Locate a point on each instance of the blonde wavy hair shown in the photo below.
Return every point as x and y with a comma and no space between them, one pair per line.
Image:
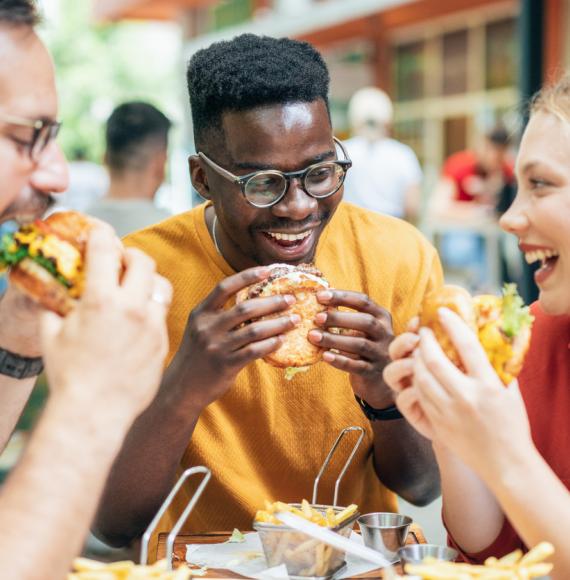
554,99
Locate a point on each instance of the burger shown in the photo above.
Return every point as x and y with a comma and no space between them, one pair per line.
46,259
296,354
502,323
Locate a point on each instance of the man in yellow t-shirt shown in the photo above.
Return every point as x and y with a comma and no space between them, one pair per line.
272,175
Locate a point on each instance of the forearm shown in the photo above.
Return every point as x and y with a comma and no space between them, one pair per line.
473,524
404,461
145,469
536,502
14,395
48,502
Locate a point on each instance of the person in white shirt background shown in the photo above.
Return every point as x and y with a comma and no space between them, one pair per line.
385,175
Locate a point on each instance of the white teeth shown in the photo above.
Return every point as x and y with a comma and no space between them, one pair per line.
541,255
289,237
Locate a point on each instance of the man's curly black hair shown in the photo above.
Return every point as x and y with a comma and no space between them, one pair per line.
251,71
19,13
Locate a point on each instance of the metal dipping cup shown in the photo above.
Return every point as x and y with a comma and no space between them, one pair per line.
415,553
385,532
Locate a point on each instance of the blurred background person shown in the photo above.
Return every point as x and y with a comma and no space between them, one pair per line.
385,175
464,205
472,180
136,154
88,181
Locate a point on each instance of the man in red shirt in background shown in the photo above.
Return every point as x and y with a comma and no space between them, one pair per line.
467,195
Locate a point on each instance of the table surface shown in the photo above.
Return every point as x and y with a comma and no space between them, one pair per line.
414,537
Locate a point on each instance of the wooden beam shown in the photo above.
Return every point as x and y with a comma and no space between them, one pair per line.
554,20
408,14
111,10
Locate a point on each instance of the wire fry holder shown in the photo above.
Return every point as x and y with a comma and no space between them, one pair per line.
345,467
181,520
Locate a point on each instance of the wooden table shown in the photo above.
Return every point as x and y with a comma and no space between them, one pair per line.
415,536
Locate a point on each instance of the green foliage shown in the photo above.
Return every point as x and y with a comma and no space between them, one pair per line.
101,65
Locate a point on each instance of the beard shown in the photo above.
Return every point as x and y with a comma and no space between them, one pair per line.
28,206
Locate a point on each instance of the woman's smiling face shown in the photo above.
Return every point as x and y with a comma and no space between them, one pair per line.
540,214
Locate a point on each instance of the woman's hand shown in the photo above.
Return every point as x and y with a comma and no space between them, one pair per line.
399,374
471,413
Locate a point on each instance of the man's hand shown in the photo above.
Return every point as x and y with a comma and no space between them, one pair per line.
217,344
110,349
362,350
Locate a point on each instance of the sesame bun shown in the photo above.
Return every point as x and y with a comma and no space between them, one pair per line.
303,282
455,298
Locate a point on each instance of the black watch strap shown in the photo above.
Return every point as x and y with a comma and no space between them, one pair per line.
19,367
388,414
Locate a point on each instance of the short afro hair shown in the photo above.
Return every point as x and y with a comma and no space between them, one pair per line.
19,13
252,71
132,130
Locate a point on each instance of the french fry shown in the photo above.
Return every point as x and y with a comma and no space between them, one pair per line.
513,566
538,553
85,569
346,513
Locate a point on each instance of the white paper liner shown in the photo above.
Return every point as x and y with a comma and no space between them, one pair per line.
247,559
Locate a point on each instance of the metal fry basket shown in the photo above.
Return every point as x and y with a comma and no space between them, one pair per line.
183,517
303,556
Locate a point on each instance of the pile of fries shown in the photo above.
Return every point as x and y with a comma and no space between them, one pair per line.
513,566
328,517
85,569
303,556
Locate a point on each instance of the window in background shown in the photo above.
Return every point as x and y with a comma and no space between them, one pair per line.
454,68
455,135
410,65
501,62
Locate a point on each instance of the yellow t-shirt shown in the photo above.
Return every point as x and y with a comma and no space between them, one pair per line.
266,438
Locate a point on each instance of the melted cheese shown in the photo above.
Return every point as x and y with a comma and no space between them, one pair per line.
498,349
67,257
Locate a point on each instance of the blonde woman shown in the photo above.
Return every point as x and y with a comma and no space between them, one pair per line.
504,454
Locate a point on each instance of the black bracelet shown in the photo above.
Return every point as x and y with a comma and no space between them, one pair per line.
19,367
388,414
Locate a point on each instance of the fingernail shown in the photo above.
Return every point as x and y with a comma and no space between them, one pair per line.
423,332
328,356
443,312
321,318
316,335
325,295
295,318
290,299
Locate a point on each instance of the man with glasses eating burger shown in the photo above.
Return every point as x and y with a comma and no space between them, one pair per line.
271,173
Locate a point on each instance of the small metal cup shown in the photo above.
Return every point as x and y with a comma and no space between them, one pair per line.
385,532
415,553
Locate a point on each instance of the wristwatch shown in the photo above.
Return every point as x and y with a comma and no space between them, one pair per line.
19,367
388,414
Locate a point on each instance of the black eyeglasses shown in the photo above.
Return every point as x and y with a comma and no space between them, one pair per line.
267,187
44,131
